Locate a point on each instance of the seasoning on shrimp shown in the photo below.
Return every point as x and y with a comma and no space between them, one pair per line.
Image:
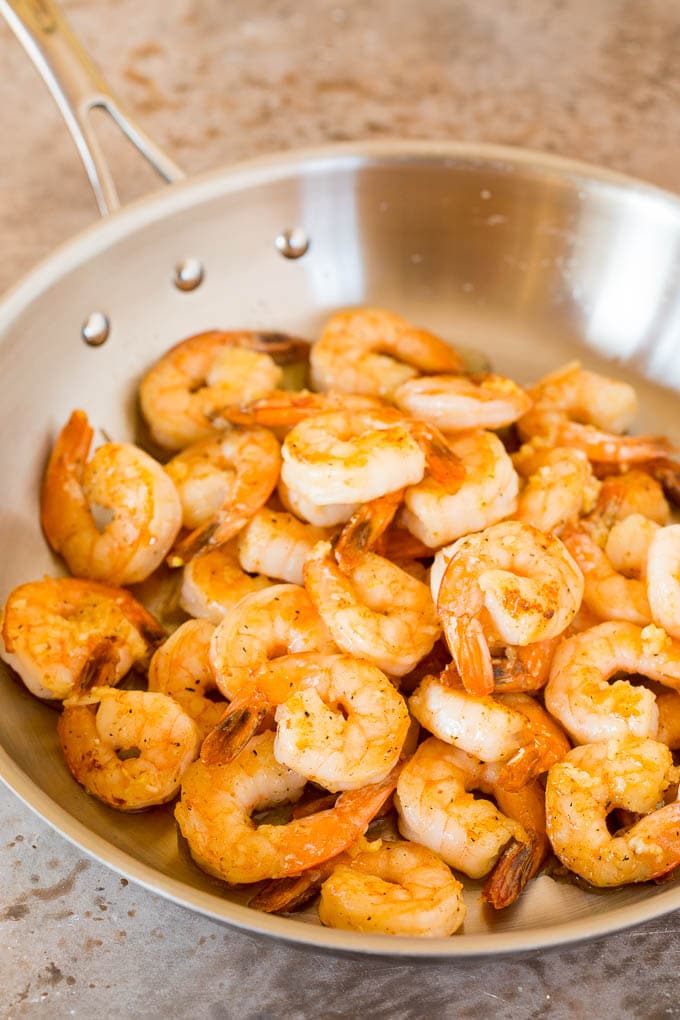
180,395
375,611
628,772
129,749
520,579
181,669
124,481
221,483
371,351
217,802
396,888
63,635
214,582
580,696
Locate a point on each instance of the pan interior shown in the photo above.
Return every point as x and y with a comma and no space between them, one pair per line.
533,262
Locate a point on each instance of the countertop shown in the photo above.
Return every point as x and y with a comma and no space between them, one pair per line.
215,82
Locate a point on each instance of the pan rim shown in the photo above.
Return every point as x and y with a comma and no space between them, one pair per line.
141,213
158,204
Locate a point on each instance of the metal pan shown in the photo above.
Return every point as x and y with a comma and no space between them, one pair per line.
531,258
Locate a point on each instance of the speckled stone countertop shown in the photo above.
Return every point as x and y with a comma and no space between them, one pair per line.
214,82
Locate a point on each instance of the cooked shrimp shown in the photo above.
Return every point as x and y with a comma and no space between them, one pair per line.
129,485
371,351
626,772
663,579
307,510
340,722
574,407
199,376
521,859
181,669
285,408
221,483
128,748
607,593
376,612
281,620
590,708
437,514
214,816
523,669
511,730
436,810
62,635
633,492
627,545
560,487
214,582
668,704
395,888
455,402
523,580
277,544
351,458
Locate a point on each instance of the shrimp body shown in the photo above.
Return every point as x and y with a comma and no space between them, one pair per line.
221,483
129,749
456,402
214,582
327,516
524,580
436,514
277,544
436,810
64,634
663,578
181,669
285,408
123,480
340,722
199,376
510,730
281,620
351,458
610,595
371,351
579,696
396,888
560,486
631,773
214,816
377,611
628,543
574,407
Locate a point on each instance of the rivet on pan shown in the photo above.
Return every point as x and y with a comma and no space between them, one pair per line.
95,329
188,274
292,243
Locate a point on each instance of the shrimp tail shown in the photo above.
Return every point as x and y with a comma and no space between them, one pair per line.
443,465
284,895
241,721
470,651
364,528
281,347
524,669
192,543
667,473
518,863
100,668
67,460
521,768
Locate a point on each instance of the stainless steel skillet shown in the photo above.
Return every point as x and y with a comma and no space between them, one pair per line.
530,258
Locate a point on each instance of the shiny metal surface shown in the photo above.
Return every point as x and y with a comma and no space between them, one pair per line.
533,259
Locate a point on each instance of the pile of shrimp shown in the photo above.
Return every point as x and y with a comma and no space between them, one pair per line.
376,635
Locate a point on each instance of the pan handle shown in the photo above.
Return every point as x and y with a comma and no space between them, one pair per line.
78,87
